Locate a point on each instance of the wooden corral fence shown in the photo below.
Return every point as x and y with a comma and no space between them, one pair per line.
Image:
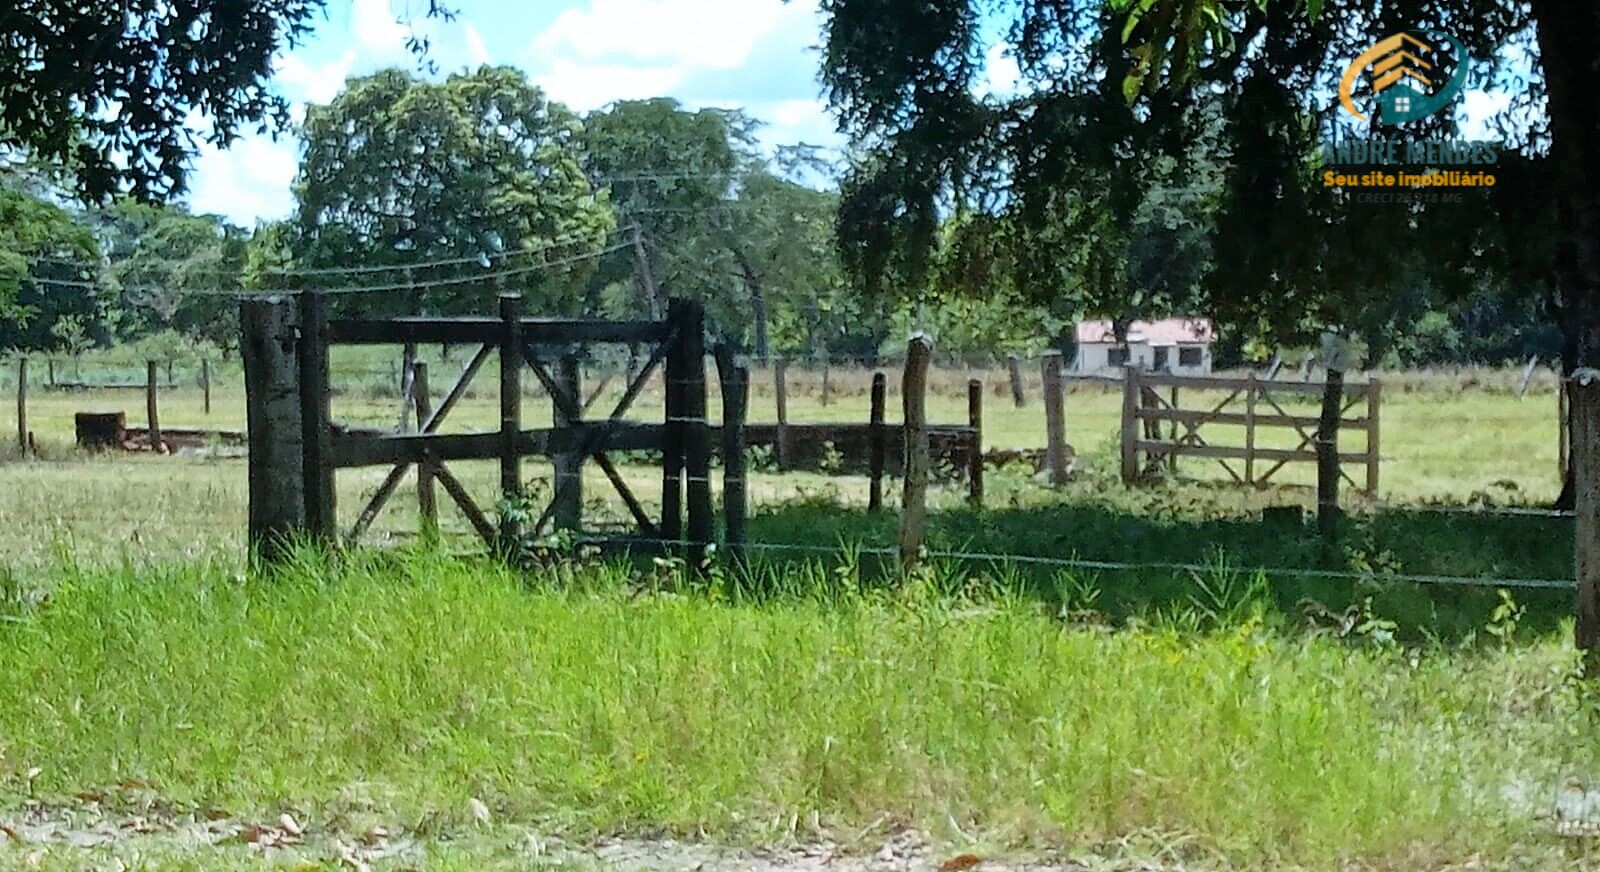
1251,403
955,450
296,447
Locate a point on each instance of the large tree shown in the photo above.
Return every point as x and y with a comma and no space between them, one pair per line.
1122,102
480,169
108,87
47,270
172,270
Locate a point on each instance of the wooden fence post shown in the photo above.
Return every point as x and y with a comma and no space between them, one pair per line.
780,386
568,465
269,348
205,384
50,370
735,377
1014,370
674,437
1328,456
316,418
22,405
975,447
152,378
1130,424
697,430
1374,402
914,490
427,501
827,383
1584,397
1055,418
1563,431
511,362
877,442
1252,393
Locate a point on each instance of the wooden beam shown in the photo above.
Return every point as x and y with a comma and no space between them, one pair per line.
463,501
269,329
914,492
1186,416
1055,418
353,451
460,331
735,378
1238,452
877,442
1161,379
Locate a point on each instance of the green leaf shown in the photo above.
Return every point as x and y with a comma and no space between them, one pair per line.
1130,86
1131,23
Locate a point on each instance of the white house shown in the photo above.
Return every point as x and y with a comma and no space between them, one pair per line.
1177,345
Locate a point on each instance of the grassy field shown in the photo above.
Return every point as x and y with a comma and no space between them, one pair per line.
1212,717
394,692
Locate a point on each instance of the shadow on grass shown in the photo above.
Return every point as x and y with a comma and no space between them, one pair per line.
1377,548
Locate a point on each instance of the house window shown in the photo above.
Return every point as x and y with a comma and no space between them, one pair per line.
1117,356
1162,354
1191,356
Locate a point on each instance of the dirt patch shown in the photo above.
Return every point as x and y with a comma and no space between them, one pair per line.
90,835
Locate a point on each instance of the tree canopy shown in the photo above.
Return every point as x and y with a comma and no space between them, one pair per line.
1165,153
107,89
479,168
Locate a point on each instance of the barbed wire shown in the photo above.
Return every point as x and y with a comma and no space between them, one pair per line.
845,549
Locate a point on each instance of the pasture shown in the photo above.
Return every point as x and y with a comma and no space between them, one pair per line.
410,709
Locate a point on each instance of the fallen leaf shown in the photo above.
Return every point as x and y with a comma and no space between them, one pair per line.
34,773
10,833
289,825
480,812
216,813
960,862
90,796
254,833
35,859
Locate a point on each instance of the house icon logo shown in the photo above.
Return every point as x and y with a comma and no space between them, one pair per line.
1413,75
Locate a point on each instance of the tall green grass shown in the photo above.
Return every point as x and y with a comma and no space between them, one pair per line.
601,699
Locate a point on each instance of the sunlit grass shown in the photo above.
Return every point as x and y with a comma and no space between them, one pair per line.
593,700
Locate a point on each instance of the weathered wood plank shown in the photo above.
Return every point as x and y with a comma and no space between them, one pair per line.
1186,416
914,492
1238,452
540,331
353,450
1161,379
268,348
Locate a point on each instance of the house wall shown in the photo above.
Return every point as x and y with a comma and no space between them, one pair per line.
1096,357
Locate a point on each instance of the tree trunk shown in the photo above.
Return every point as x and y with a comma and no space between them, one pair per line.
1568,32
758,306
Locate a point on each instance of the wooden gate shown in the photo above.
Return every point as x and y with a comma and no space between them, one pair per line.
1249,402
296,447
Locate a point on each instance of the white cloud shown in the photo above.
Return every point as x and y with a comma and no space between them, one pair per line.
795,121
377,27
705,34
248,182
589,86
313,83
477,51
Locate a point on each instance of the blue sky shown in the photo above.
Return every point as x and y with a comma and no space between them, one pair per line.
754,54
758,55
